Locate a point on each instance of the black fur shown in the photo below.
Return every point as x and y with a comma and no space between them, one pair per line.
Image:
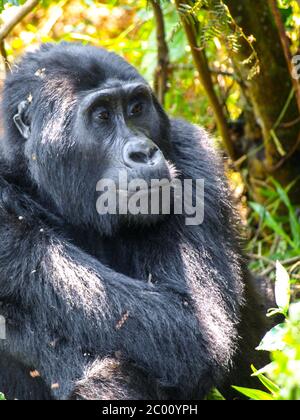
79,305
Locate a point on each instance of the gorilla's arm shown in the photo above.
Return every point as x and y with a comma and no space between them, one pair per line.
64,308
219,255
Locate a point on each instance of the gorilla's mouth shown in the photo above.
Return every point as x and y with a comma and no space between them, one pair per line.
154,186
132,197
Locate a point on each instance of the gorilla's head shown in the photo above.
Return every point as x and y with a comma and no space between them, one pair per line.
74,115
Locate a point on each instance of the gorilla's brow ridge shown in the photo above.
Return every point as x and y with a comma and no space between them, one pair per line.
106,91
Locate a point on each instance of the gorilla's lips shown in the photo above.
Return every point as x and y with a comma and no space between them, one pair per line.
147,182
132,196
155,186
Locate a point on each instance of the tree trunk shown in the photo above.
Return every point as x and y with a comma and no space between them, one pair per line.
202,67
270,92
162,68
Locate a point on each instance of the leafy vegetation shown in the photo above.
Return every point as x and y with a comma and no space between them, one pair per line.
281,378
275,233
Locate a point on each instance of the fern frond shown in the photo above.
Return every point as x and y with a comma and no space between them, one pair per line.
211,19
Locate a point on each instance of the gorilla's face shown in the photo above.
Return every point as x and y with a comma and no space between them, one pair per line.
119,122
96,121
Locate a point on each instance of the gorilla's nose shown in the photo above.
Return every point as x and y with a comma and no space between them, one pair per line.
136,154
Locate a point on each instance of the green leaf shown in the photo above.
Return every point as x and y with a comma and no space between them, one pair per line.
295,226
286,13
265,215
278,144
215,395
275,311
2,397
282,288
273,340
254,394
268,369
265,381
294,312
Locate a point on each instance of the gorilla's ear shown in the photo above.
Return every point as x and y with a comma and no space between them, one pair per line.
21,121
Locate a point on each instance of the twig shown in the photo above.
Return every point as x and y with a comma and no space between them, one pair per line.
214,70
289,261
223,73
267,271
286,46
257,233
161,72
238,163
53,15
4,57
295,267
201,64
287,157
284,110
275,245
290,123
262,258
22,11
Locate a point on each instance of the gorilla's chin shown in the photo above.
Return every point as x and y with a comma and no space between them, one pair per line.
125,199
112,225
143,208
143,220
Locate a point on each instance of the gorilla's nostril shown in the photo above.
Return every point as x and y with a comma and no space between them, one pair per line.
145,156
139,157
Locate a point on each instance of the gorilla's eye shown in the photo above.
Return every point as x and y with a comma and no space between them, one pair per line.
136,109
103,115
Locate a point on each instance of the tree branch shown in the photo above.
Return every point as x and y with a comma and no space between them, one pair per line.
4,57
161,72
286,46
22,11
289,261
201,64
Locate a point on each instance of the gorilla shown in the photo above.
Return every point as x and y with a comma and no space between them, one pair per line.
113,306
